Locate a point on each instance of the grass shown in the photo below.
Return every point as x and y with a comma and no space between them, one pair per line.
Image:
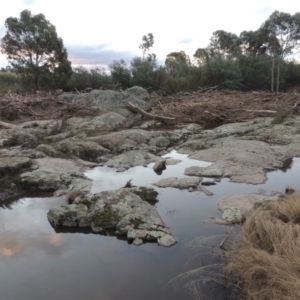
283,111
262,262
266,263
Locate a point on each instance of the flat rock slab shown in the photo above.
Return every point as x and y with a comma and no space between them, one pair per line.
109,121
56,174
241,160
244,202
205,172
13,164
182,183
120,211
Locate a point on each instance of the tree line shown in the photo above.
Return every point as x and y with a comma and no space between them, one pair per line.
254,60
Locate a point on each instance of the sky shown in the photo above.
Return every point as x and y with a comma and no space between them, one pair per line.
97,32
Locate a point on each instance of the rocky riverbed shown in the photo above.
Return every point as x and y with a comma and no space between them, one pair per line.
52,155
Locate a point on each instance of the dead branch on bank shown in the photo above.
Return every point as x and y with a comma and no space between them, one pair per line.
8,125
138,110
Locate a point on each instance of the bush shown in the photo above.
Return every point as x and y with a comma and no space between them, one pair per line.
10,82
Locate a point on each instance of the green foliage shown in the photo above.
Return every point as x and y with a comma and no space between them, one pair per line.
95,78
175,85
35,51
120,73
177,64
147,43
10,82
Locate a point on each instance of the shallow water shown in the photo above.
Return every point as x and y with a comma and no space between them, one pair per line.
36,262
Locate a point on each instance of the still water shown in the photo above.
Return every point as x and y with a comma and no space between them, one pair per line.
37,262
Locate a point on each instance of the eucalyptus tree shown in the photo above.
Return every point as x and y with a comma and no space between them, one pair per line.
35,51
283,30
178,63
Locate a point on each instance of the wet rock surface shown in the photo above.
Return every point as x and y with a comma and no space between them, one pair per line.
236,206
121,211
182,183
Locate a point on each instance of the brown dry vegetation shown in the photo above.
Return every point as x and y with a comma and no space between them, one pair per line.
266,263
211,108
205,107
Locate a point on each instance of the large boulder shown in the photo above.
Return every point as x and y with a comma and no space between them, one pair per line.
120,211
108,101
86,150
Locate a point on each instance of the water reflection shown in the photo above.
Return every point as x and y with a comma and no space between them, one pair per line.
38,262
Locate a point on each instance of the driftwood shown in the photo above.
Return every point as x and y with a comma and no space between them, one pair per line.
138,110
8,125
263,111
226,238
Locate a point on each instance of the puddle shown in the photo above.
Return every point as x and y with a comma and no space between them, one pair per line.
36,262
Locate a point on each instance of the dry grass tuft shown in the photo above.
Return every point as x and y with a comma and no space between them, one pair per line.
266,264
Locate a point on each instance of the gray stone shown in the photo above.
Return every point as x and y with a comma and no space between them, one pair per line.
172,161
137,91
159,165
131,158
13,164
56,174
137,242
244,202
182,183
166,240
86,150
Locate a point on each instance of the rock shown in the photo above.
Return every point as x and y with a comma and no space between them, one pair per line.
160,142
203,172
13,164
107,121
86,150
131,158
18,151
191,189
244,202
221,221
247,164
56,174
204,190
137,91
115,141
137,242
166,240
119,210
232,215
207,183
147,194
182,183
48,149
159,166
109,101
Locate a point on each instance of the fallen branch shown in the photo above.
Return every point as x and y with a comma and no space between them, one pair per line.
263,111
226,238
138,110
8,125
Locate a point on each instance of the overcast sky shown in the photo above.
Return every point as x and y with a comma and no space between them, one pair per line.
96,32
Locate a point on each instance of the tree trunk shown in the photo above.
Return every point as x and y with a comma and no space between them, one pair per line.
278,75
272,74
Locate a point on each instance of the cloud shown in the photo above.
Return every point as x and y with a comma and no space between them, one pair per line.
96,54
263,10
29,2
186,41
